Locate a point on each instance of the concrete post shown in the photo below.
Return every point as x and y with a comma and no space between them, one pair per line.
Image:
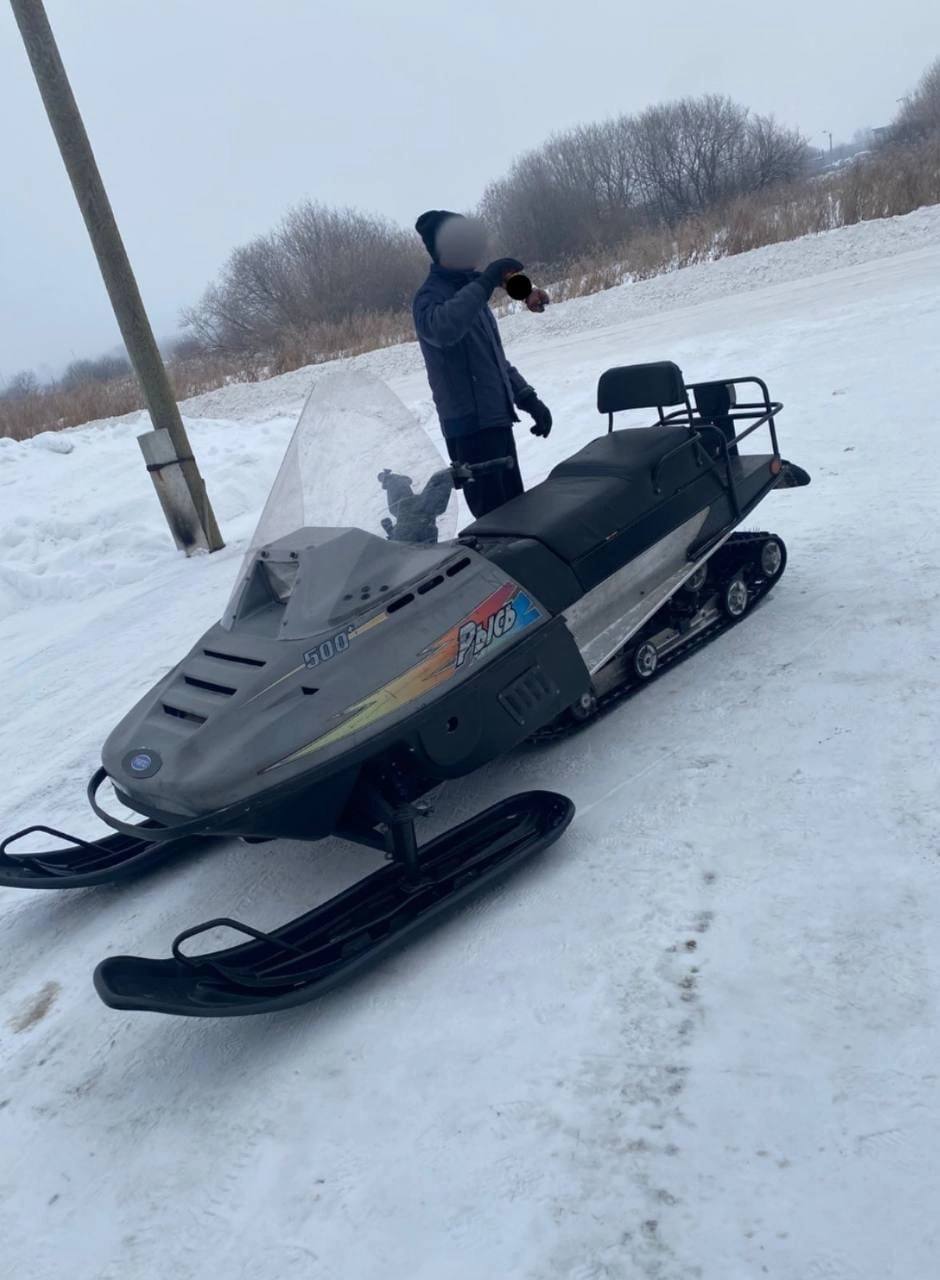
193,525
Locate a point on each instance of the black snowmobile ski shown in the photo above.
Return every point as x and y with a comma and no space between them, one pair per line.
79,862
309,955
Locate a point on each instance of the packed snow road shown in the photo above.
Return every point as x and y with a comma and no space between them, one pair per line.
699,1037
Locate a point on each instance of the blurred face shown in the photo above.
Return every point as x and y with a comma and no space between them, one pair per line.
461,243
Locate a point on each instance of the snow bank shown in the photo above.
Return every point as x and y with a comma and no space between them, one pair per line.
52,442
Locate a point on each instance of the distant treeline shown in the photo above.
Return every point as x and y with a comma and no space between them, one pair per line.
626,198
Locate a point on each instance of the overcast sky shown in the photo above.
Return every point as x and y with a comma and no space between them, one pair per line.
210,117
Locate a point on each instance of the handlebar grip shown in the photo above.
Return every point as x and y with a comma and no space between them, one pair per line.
493,464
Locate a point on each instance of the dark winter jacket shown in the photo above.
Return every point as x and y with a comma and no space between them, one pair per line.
473,384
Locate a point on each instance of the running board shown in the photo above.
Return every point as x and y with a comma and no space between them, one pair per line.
82,862
307,956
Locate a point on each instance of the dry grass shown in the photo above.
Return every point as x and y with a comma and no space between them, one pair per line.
55,408
884,185
895,180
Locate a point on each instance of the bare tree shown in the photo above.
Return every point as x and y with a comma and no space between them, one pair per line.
697,153
105,368
591,187
919,116
21,386
774,154
535,214
319,267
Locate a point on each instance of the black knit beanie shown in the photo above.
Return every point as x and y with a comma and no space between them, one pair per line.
428,226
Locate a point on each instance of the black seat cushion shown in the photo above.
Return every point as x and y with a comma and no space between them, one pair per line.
623,453
568,514
640,386
598,491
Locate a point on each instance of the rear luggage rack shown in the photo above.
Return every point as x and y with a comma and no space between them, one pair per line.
716,412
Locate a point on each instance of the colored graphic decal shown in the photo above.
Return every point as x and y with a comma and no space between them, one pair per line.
504,613
322,653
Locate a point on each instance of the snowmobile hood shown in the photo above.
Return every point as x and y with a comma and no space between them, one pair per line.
248,709
334,633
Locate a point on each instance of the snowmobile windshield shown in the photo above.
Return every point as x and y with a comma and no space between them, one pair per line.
358,460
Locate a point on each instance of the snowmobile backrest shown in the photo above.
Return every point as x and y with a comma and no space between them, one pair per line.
640,386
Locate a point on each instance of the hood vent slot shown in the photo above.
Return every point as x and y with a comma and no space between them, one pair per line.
400,603
429,585
234,657
179,714
308,689
208,685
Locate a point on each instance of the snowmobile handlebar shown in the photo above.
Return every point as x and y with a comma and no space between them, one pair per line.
466,472
413,516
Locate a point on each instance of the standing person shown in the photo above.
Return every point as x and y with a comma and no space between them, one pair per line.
475,388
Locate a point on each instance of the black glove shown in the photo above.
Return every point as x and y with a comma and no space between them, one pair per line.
533,406
497,272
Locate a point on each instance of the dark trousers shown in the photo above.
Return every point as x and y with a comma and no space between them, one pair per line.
488,492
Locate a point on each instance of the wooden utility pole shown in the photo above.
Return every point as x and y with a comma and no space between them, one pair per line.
167,449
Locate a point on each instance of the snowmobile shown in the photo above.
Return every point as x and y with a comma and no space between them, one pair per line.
368,653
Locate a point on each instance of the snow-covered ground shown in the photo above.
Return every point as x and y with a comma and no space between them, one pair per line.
699,1038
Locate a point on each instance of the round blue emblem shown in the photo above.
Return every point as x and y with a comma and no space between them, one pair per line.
141,764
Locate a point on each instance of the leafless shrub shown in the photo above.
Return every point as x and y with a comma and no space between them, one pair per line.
571,196
21,386
892,181
588,188
919,116
26,408
51,408
319,267
107,368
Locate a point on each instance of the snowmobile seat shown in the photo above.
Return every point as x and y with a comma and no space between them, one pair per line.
568,514
624,454
593,495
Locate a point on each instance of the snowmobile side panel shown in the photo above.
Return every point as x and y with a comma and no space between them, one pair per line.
534,567
604,617
308,956
680,628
